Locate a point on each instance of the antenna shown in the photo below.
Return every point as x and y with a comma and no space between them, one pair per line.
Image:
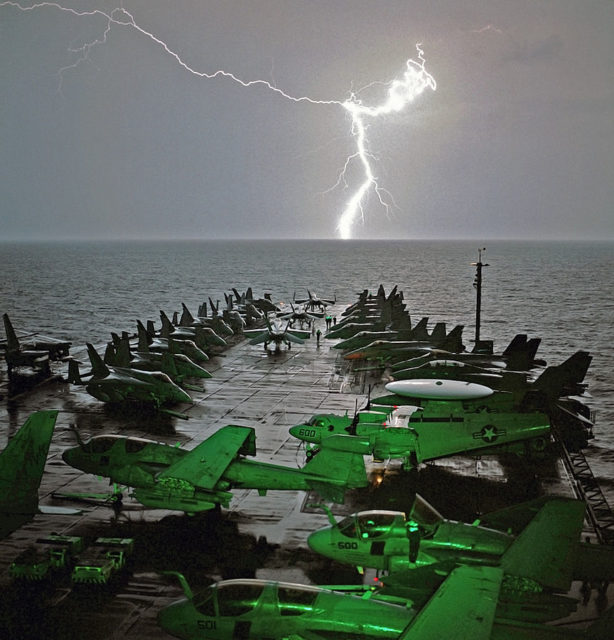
477,283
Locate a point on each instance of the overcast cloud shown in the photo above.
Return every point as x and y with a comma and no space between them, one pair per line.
516,142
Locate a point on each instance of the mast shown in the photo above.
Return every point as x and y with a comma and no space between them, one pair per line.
477,283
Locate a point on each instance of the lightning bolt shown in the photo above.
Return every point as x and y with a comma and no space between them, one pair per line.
401,92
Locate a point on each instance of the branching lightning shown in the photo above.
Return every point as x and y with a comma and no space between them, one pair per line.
401,92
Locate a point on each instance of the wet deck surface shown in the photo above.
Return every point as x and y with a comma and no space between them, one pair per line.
261,536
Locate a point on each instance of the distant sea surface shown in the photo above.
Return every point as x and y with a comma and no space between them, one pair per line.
561,292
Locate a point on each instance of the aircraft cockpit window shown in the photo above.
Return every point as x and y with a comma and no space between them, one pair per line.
134,446
347,527
373,525
295,602
317,422
205,603
100,445
237,599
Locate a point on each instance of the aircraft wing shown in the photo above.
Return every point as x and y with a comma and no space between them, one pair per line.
260,337
204,465
462,608
545,549
293,338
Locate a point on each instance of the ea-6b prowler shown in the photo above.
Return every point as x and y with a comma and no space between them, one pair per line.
536,543
166,477
462,608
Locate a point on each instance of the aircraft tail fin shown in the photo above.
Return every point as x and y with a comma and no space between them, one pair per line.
187,319
439,332
167,325
23,461
74,375
554,381
419,332
453,342
122,352
544,550
12,342
99,368
143,343
517,343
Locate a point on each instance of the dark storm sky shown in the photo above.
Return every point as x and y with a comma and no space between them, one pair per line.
517,141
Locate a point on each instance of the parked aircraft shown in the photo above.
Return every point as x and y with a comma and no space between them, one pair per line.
548,530
462,608
177,366
33,353
215,322
161,345
564,379
277,333
118,384
22,463
204,337
519,355
167,477
302,316
16,356
313,302
435,430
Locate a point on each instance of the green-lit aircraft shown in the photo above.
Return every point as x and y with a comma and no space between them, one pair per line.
167,477
177,366
462,608
147,340
22,463
118,384
537,544
437,429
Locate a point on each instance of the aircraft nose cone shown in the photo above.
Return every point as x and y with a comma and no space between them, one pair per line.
305,433
321,542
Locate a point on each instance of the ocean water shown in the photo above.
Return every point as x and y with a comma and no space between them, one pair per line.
561,292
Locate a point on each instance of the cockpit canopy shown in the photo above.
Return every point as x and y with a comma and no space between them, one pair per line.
232,598
374,524
370,524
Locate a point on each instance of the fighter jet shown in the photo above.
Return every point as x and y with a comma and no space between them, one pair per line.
118,384
215,322
204,337
22,463
519,355
177,366
17,356
277,333
302,316
167,477
564,379
536,542
313,302
147,337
